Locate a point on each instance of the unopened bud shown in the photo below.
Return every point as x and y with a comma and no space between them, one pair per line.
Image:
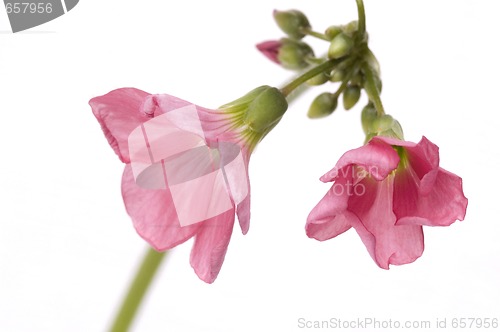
266,109
351,96
323,105
340,45
293,54
270,49
337,75
292,22
357,79
350,28
332,31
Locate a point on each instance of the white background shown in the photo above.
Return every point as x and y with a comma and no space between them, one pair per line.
68,249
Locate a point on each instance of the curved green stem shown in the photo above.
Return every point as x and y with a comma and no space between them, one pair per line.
361,17
318,35
327,65
137,290
372,90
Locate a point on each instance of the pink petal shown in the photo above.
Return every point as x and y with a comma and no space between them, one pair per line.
210,246
406,192
330,217
213,123
119,112
442,206
377,158
234,161
153,214
243,211
424,156
184,115
270,49
386,242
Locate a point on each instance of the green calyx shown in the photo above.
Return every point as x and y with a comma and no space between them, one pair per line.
266,110
379,125
257,112
293,54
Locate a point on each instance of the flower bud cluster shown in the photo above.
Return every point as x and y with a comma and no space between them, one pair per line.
290,51
347,52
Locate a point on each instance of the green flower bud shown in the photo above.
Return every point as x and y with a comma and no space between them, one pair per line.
358,79
351,96
332,31
292,22
350,28
337,75
323,105
266,109
340,45
318,79
293,54
368,116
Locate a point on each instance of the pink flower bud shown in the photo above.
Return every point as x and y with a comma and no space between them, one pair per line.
270,49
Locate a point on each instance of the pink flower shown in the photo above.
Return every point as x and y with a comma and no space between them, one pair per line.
387,190
270,49
186,171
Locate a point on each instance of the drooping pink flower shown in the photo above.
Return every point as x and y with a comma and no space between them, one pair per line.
387,190
186,172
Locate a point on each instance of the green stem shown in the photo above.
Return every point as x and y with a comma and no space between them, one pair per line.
137,290
361,18
316,34
372,90
354,69
327,65
341,88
